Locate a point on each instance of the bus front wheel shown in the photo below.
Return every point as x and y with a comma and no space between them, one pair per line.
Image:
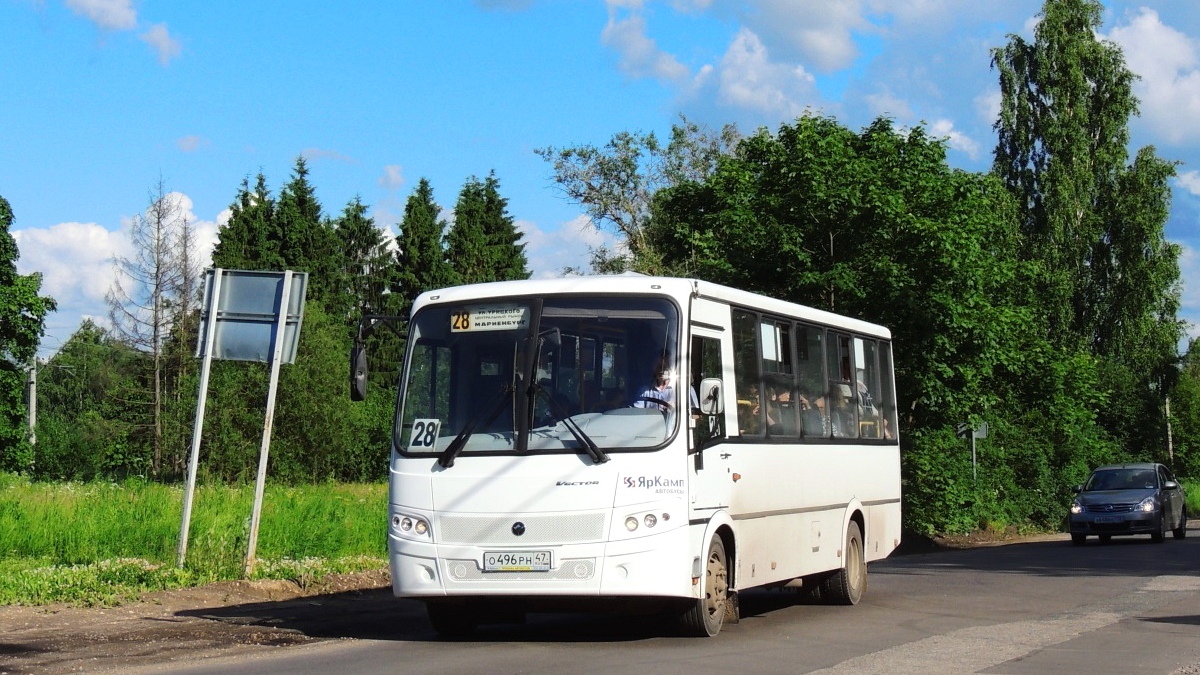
846,586
707,614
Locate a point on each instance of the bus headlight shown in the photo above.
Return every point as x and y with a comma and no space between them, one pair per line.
410,527
645,522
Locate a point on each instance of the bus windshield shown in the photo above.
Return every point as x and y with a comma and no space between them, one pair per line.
553,375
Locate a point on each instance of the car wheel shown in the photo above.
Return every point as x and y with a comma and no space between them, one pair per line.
845,587
1158,535
1181,531
706,616
1078,539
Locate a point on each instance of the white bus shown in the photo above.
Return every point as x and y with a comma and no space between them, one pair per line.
541,460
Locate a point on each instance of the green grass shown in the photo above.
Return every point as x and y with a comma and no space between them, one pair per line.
102,543
1191,488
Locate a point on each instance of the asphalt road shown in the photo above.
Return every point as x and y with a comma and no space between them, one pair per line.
1042,607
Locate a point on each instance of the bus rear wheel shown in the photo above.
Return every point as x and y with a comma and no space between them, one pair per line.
846,586
706,616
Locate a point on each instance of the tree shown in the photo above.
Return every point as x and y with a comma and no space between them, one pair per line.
367,266
249,240
90,396
616,183
22,324
876,225
420,252
307,241
145,301
1108,281
482,244
1185,414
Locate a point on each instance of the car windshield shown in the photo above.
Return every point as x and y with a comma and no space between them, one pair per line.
1122,479
528,375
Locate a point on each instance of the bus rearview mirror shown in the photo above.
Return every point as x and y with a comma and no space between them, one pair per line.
358,373
712,402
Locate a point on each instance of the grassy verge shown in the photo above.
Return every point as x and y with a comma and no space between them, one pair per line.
1191,489
101,543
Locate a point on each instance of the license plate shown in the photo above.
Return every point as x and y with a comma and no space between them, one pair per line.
1106,519
516,561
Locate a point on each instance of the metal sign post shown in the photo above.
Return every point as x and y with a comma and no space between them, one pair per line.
198,427
247,316
964,430
260,482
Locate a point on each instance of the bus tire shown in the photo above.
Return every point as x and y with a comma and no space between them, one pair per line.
706,616
452,619
846,586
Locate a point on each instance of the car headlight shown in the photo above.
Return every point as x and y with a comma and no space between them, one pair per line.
1076,508
1148,505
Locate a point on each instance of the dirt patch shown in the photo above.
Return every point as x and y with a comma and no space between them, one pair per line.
164,627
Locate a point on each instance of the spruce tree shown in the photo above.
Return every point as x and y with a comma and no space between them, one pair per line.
420,252
483,243
250,239
307,242
366,264
506,253
466,242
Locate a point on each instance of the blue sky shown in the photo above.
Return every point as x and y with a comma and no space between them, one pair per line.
101,98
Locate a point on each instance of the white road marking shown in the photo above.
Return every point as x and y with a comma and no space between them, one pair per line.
970,650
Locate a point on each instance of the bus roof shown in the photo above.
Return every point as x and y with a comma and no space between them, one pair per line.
632,283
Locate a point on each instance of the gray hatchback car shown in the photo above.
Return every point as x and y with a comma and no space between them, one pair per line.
1119,499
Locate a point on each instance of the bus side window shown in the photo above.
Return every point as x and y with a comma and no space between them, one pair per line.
745,368
810,368
705,364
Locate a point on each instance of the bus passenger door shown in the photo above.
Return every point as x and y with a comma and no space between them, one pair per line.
710,477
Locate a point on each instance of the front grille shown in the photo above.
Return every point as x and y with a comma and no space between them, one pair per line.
1110,508
539,530
575,569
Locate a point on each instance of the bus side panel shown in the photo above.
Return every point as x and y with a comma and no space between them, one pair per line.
790,502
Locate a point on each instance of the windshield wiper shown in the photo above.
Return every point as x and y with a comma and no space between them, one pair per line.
598,456
446,459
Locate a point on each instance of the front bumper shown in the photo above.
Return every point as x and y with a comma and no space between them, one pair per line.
1115,523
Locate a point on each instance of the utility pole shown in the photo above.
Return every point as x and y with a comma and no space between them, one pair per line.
32,408
1170,447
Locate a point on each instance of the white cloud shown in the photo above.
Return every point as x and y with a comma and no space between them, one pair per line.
159,38
76,263
639,55
111,14
887,104
955,139
392,178
191,143
1190,181
568,246
987,105
747,78
1168,62
1189,271
817,33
